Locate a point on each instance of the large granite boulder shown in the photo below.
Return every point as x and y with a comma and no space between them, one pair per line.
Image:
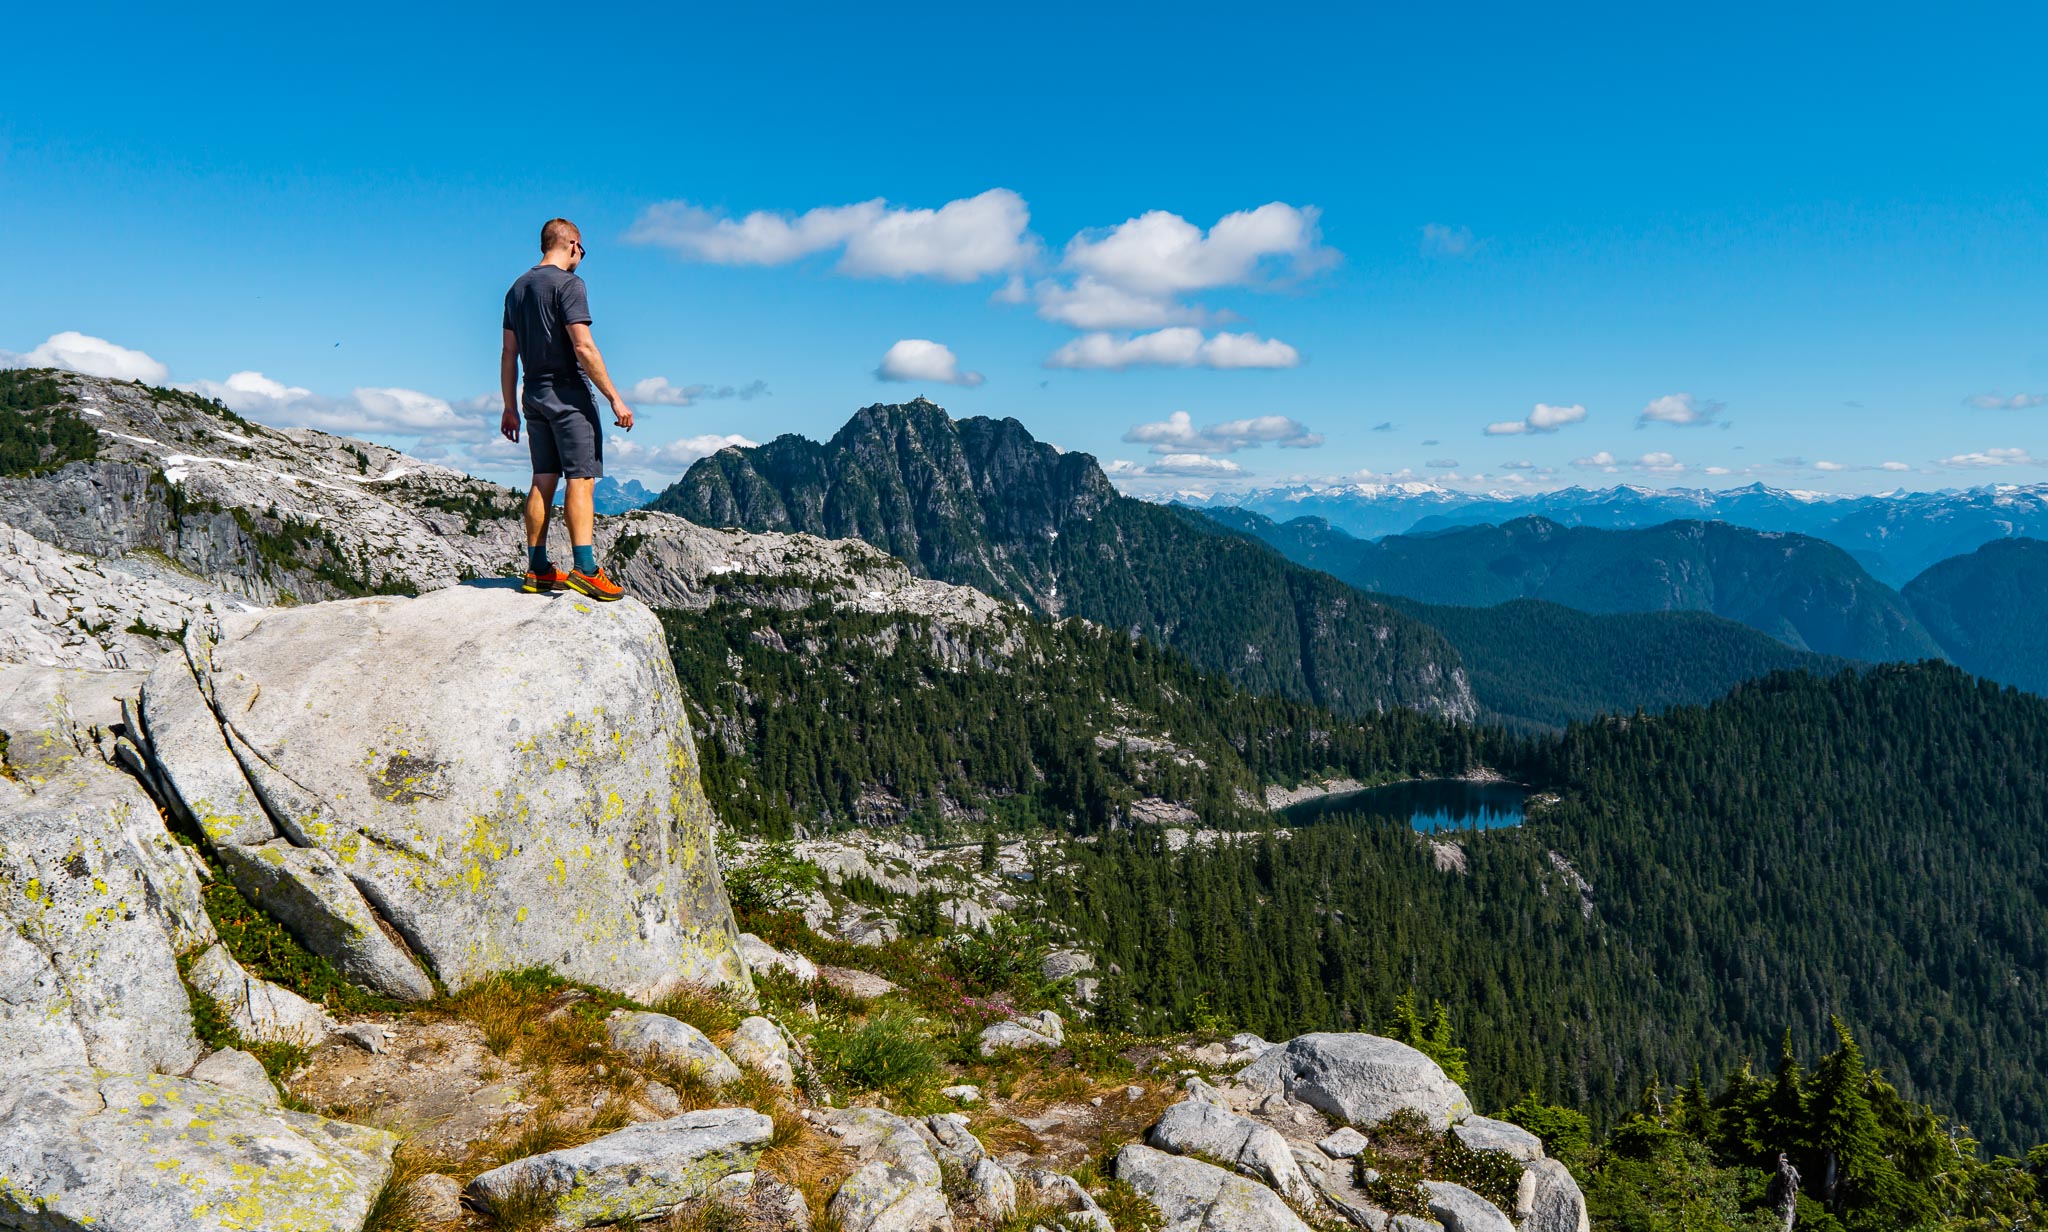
1458,1209
96,899
1198,1197
1358,1079
638,1173
509,780
87,1149
757,1043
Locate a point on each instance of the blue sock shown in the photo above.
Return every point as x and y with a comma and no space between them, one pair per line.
537,558
586,559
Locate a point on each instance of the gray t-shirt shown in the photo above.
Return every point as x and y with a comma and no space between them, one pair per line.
540,308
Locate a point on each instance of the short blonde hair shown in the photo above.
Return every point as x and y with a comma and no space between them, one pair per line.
556,233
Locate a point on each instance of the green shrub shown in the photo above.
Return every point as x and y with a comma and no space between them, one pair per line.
886,1054
1007,953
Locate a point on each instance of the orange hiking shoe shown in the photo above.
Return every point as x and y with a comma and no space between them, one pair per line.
536,583
597,585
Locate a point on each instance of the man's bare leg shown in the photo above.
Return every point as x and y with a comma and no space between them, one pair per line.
539,499
579,511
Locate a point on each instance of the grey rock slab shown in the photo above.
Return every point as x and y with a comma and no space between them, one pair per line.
1486,1134
955,1141
762,958
510,780
1461,1210
647,1034
779,1205
1346,1143
162,1154
1063,1191
864,984
636,1173
1060,964
192,753
1358,1078
1043,1030
1196,1197
1556,1205
306,890
261,1012
1197,1128
98,901
757,1043
231,1069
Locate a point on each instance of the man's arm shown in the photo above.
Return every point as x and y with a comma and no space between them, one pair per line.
508,380
592,364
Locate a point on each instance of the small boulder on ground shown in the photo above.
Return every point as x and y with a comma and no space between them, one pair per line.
637,1173
856,983
1461,1210
994,1189
1556,1205
231,1069
1346,1143
1486,1134
757,1043
1358,1078
1196,1128
658,1036
897,1187
1045,1030
762,958
1198,1197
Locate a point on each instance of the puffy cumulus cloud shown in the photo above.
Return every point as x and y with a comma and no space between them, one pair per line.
1090,303
1825,465
83,353
921,359
367,411
1601,461
1543,417
1162,254
1175,347
1177,434
1893,466
2002,402
1447,241
961,241
1188,465
1986,459
1681,410
1657,462
665,460
658,391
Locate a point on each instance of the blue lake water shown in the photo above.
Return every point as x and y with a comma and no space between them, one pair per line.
1429,805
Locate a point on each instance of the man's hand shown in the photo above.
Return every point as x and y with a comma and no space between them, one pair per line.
508,426
622,414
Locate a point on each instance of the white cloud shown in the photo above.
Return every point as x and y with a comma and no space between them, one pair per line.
1177,434
369,410
960,241
1192,465
1987,458
1893,466
625,456
1176,347
1162,254
1447,241
1657,462
1683,410
1541,418
1603,461
1716,470
1091,303
1830,466
1999,402
1522,465
658,391
921,359
1442,464
83,353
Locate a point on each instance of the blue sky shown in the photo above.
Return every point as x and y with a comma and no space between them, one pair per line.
1699,247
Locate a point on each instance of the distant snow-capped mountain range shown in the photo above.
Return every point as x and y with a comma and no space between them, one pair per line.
1895,535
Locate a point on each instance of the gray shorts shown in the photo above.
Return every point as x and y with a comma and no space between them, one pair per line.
562,432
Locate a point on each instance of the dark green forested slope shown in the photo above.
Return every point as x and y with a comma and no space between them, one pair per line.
1867,845
1803,591
805,713
40,428
1989,610
1589,665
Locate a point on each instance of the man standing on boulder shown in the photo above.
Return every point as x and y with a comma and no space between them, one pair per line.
547,331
